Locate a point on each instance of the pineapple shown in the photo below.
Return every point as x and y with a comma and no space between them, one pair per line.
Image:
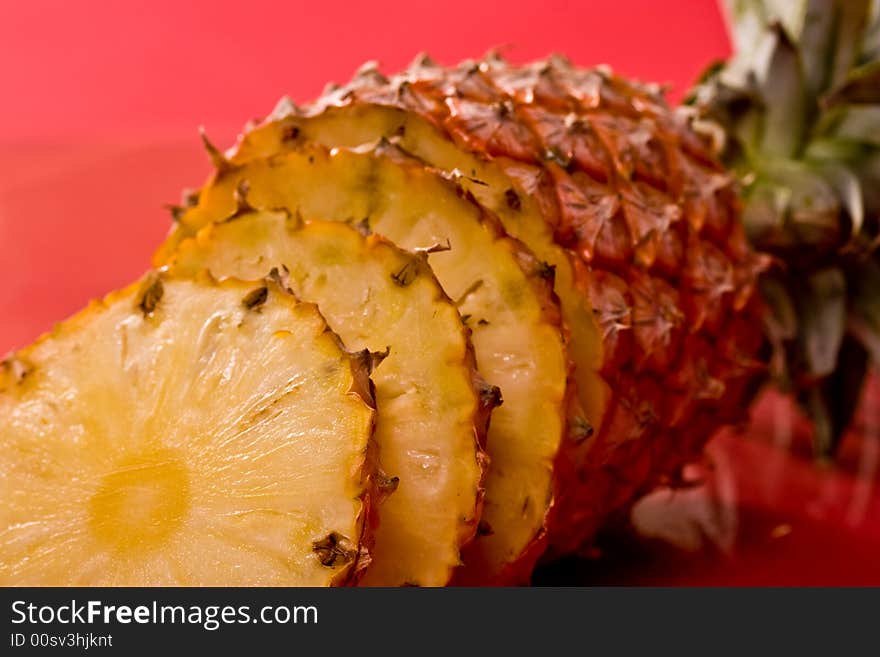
612,189
504,295
186,433
796,114
433,409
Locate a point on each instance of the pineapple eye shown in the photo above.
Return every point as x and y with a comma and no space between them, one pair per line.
334,550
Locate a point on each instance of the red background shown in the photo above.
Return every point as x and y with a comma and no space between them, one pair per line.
102,101
98,129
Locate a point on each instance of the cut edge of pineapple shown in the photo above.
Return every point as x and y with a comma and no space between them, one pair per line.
352,185
504,187
132,512
507,189
378,296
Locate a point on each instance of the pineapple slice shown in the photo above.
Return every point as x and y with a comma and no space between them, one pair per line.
186,433
513,191
503,292
431,421
600,179
504,186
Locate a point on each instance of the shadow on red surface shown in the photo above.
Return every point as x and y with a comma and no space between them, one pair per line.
762,512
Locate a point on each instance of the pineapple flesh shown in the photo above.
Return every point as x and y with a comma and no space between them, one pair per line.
502,291
603,181
432,417
505,187
186,432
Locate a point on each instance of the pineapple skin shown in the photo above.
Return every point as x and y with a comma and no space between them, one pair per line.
651,222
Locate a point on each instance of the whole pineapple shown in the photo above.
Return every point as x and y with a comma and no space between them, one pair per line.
614,199
609,186
796,113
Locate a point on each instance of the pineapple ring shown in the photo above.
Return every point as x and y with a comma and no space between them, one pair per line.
505,187
186,433
512,190
431,422
504,293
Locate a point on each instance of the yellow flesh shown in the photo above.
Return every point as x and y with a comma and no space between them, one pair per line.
424,391
517,349
350,127
204,444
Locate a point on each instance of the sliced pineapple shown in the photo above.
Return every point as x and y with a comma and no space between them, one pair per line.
431,421
650,248
504,186
186,433
503,292
514,190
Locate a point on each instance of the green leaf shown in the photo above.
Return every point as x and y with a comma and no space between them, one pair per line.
764,216
860,86
871,38
859,124
832,404
737,109
808,204
780,80
869,174
711,72
855,123
816,42
822,308
851,23
863,160
748,18
782,308
828,35
849,190
791,204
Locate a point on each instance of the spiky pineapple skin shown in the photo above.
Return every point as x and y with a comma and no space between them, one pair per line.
652,223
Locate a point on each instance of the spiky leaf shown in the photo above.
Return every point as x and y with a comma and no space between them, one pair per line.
823,320
799,104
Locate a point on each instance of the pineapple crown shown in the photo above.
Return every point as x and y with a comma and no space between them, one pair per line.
796,114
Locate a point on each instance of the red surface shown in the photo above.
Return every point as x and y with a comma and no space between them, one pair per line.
761,512
101,102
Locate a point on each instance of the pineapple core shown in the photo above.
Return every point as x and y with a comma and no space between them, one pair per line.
141,503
